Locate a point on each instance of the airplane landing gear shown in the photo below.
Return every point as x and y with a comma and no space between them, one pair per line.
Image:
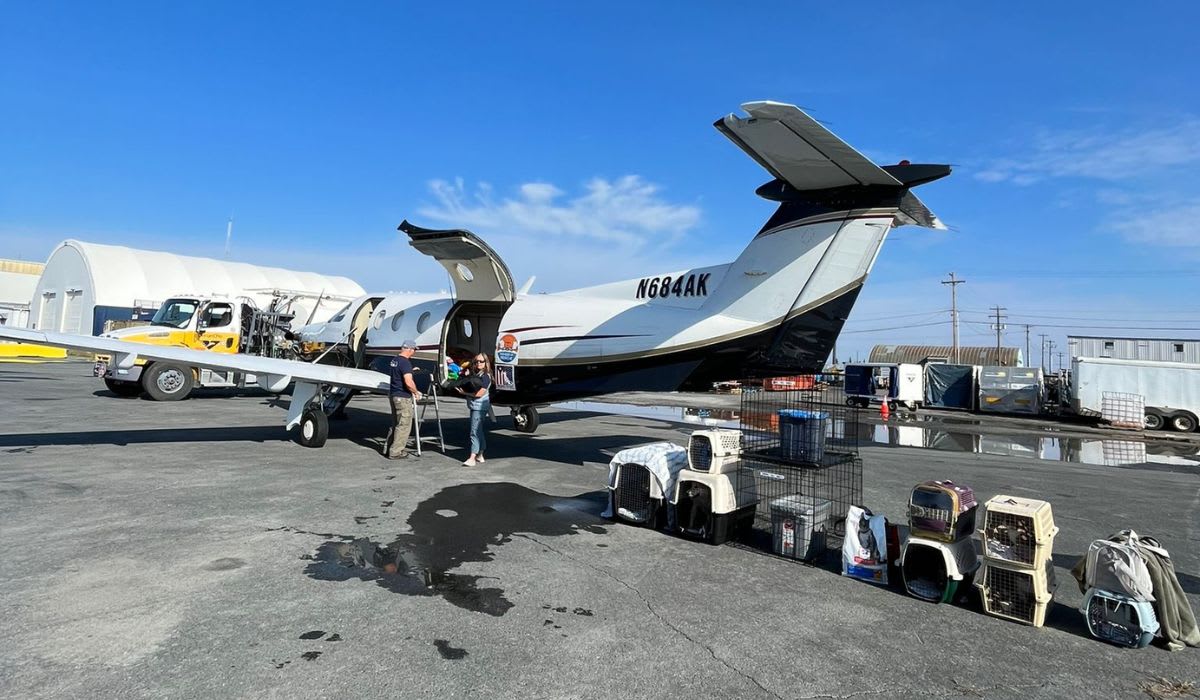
525,419
314,427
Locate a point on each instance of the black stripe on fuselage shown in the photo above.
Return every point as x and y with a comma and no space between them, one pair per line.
799,345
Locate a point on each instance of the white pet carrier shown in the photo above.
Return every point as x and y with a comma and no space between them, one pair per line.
639,480
714,451
932,569
1015,592
1018,531
711,507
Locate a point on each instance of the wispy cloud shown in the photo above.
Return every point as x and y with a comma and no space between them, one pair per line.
1099,154
628,211
1172,225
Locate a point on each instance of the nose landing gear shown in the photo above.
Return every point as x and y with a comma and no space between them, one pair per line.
525,419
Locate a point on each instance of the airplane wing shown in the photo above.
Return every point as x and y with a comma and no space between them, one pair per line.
278,373
795,148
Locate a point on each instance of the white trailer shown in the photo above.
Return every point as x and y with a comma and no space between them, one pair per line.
875,382
1171,389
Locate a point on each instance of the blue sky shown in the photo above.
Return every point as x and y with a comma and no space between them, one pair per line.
577,138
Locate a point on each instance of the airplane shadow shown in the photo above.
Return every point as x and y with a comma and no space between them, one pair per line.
262,433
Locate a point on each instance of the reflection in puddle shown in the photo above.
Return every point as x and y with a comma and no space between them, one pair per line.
1103,451
710,417
418,563
951,433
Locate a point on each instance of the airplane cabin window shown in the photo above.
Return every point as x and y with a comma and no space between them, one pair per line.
379,318
340,314
464,272
466,328
397,320
423,322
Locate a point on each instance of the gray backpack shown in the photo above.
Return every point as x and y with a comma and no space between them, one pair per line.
1117,567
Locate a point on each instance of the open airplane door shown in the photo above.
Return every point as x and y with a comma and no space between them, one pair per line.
477,272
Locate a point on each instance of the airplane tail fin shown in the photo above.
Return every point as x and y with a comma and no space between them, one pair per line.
805,267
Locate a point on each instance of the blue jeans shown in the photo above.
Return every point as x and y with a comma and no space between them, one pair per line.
478,436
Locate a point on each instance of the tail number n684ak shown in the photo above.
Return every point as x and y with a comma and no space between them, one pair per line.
692,285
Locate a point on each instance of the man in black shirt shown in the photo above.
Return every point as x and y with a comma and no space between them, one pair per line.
401,395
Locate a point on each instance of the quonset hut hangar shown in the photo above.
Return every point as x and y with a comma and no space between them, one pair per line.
18,279
84,285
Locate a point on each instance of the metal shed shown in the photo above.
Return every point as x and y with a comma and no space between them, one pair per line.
967,355
86,284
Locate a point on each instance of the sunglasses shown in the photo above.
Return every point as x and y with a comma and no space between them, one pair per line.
481,362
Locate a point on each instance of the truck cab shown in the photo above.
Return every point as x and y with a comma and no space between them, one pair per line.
216,324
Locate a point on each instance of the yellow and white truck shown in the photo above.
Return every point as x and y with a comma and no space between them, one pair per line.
213,323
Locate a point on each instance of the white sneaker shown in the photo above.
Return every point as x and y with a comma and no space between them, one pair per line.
469,463
480,459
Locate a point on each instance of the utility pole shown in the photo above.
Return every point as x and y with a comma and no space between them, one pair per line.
1050,352
998,326
1028,359
954,309
1060,364
1042,345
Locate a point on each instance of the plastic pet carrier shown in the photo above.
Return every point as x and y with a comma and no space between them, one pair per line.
639,481
798,526
1014,592
714,451
942,510
802,435
933,569
1018,531
710,507
1119,619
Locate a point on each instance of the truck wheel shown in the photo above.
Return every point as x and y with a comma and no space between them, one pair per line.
1154,420
121,388
164,381
525,419
314,428
1183,422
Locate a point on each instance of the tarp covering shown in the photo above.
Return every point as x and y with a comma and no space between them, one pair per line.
950,386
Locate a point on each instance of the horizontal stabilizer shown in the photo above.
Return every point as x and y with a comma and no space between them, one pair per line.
795,148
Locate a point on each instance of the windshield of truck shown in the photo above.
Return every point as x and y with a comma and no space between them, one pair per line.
175,313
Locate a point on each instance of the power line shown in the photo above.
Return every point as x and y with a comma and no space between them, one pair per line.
894,328
881,317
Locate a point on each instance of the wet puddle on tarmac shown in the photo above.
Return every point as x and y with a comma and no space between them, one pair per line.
459,524
950,433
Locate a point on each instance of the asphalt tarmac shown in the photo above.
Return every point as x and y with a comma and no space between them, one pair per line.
192,549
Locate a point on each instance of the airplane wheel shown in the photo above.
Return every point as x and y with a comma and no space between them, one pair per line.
314,428
164,381
525,419
121,388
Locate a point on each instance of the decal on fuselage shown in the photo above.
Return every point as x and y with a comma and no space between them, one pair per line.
693,285
506,378
506,348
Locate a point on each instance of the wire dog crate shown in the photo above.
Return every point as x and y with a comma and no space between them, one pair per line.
800,464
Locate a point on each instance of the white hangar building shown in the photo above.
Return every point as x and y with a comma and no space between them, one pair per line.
18,279
85,285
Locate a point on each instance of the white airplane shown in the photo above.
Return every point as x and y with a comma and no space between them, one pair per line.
777,309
